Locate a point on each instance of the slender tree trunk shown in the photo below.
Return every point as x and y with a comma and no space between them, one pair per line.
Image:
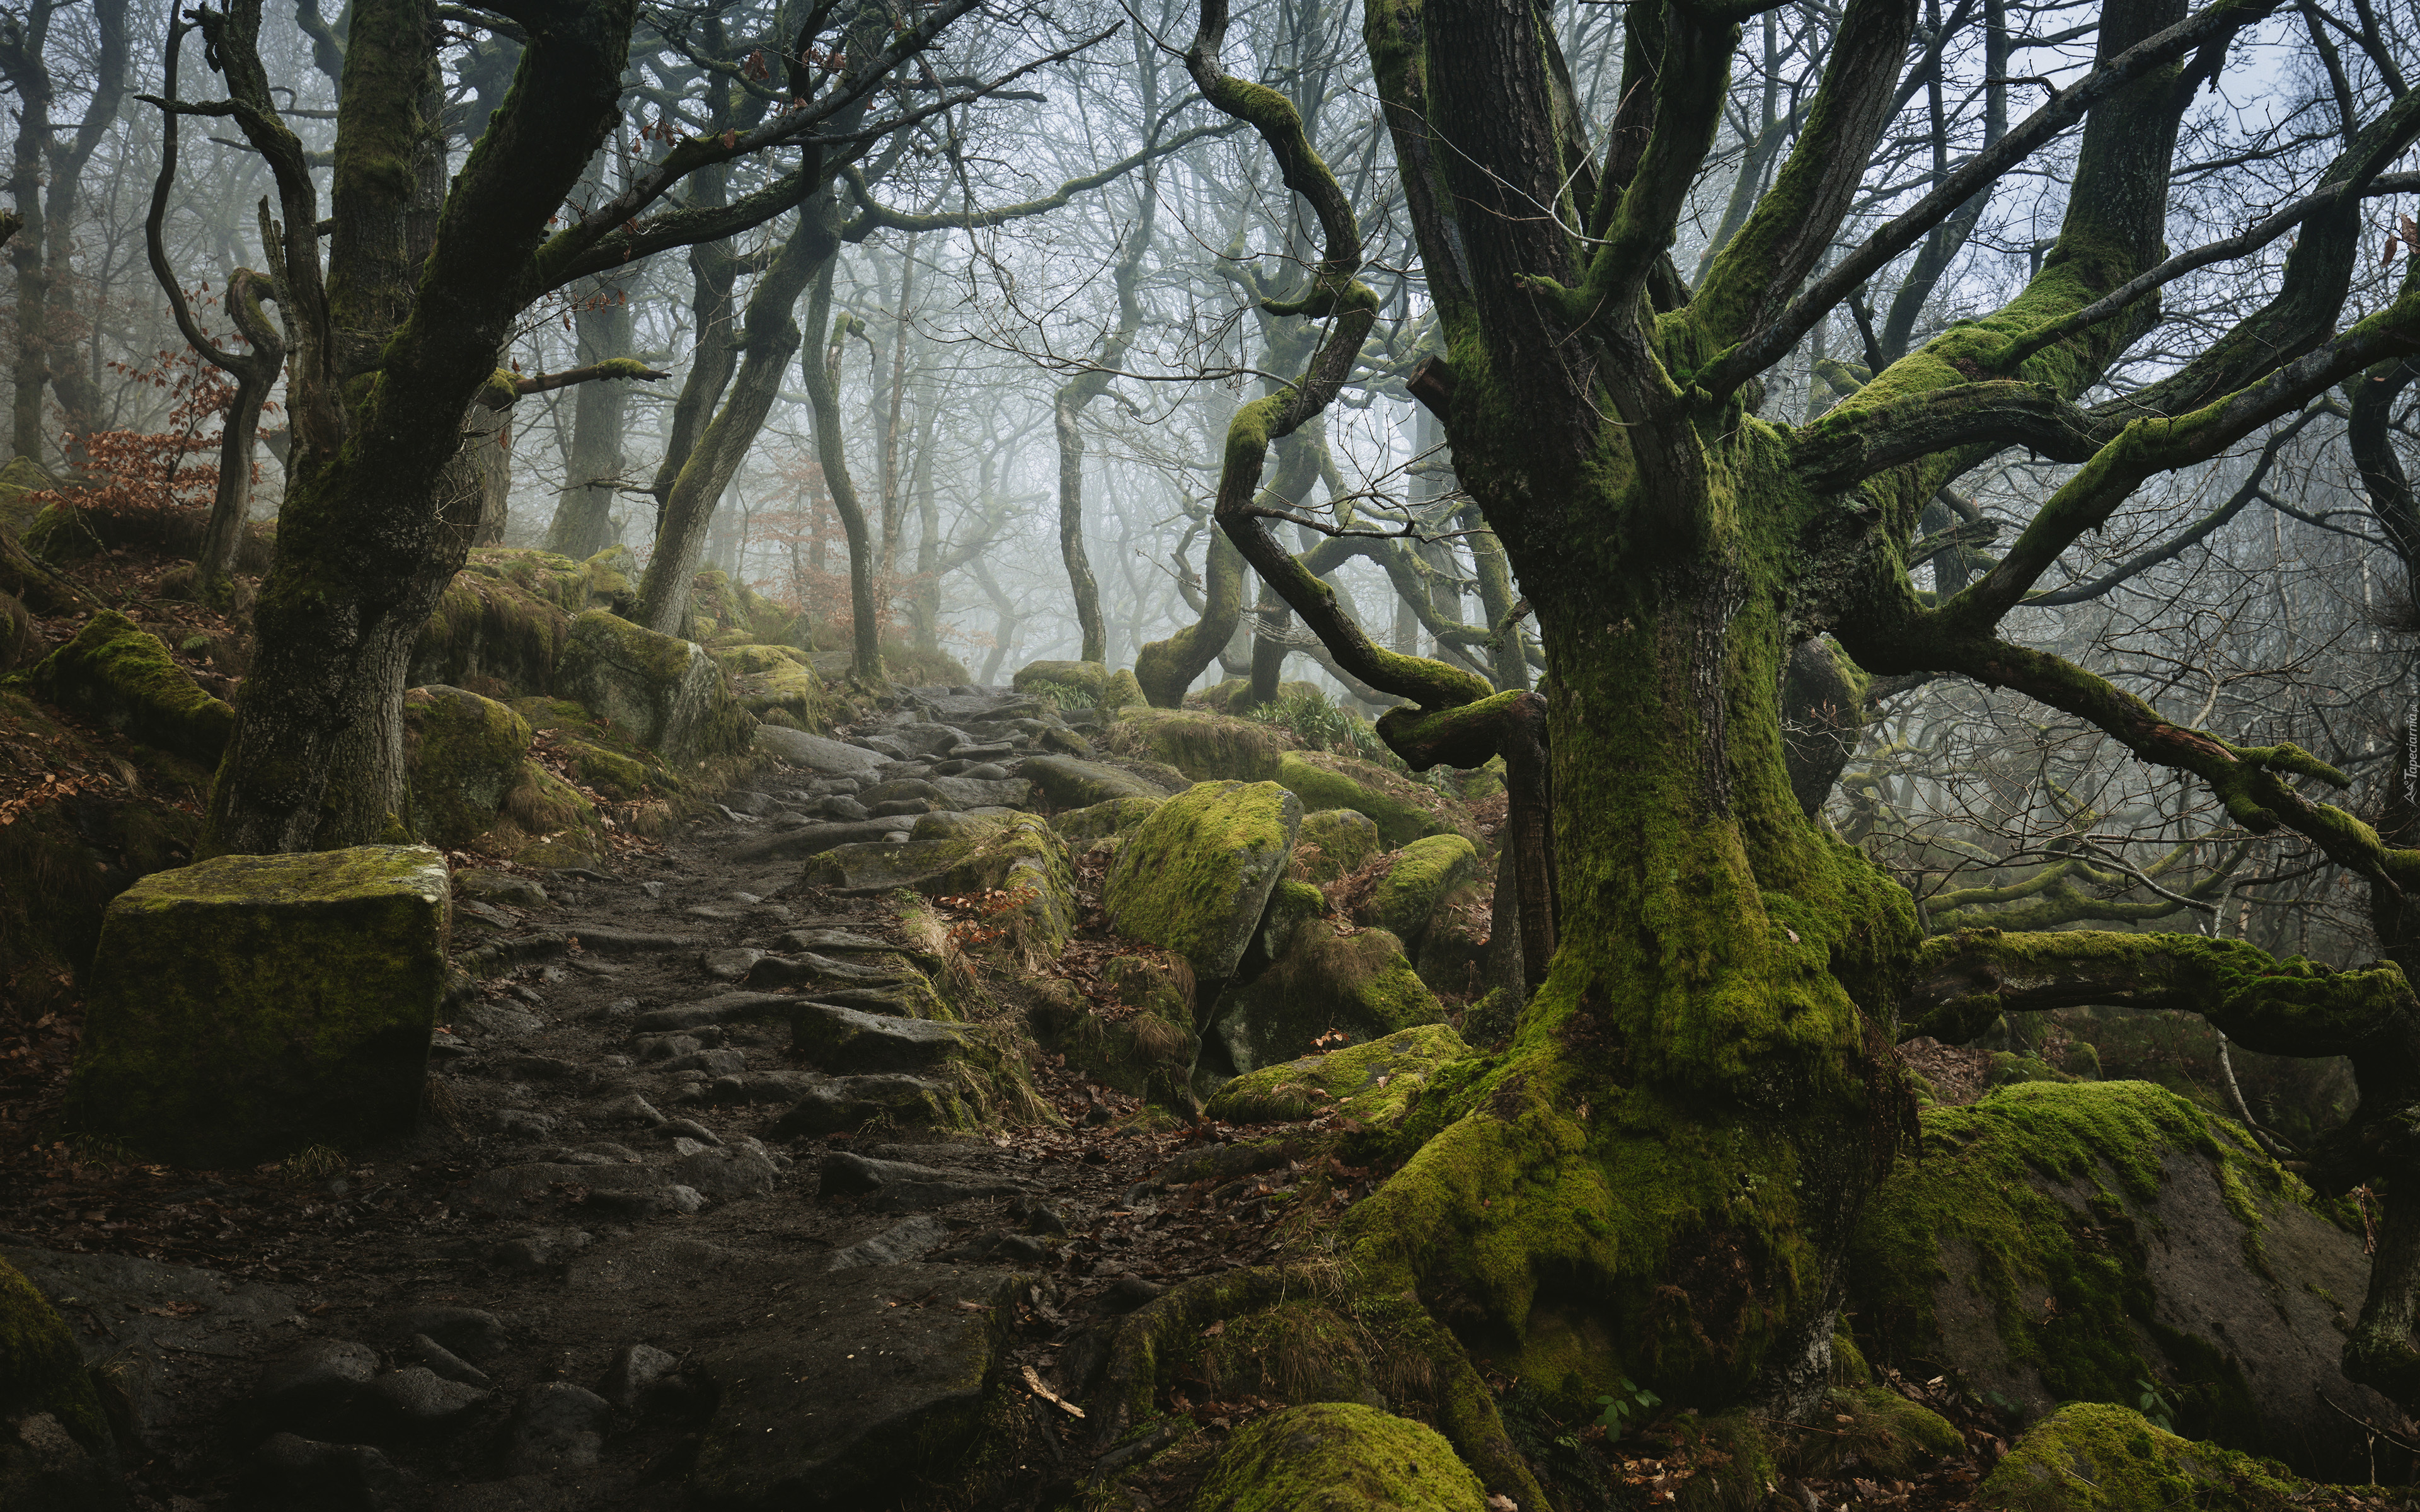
771,339
821,373
584,512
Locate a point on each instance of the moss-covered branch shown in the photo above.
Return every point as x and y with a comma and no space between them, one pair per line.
1962,981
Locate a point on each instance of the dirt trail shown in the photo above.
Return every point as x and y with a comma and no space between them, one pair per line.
603,1274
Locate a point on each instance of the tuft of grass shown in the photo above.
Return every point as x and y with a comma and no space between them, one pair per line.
315,1164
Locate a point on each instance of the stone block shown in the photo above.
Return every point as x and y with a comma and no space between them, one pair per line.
252,1006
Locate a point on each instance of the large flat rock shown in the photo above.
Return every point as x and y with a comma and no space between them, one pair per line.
856,1389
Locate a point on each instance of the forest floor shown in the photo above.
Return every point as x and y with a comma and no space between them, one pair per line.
534,1231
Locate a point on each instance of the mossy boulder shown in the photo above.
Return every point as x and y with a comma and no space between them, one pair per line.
1087,675
1339,1456
1422,873
1206,747
2091,1457
777,685
1195,877
1335,842
1359,985
1102,820
462,753
1068,782
1401,809
2068,1240
667,693
116,673
1120,691
56,1454
251,1005
952,855
1375,1082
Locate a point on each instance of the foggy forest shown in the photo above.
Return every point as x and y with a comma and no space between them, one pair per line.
1465,755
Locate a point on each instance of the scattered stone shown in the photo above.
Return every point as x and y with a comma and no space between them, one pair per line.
637,1372
421,1399
728,1174
469,1331
116,673
605,941
1345,840
462,753
1067,782
823,1404
444,1362
1128,1292
903,1240
817,753
1359,985
251,1005
540,1250
313,1383
499,888
901,1186
303,1473
1424,871
996,1245
842,1040
520,1123
630,1110
694,1130
1374,1083
667,693
834,939
726,1009
830,1104
556,1426
1358,1456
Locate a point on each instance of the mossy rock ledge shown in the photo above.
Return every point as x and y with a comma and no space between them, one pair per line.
1339,1456
1195,877
951,854
669,694
251,1005
2063,1241
116,673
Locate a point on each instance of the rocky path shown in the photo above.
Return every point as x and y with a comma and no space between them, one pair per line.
687,1223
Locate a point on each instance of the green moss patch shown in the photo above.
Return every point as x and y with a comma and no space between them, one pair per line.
1102,820
2020,1253
1423,872
1401,809
777,685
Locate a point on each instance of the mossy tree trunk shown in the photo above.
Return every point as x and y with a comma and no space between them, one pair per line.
1657,1179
